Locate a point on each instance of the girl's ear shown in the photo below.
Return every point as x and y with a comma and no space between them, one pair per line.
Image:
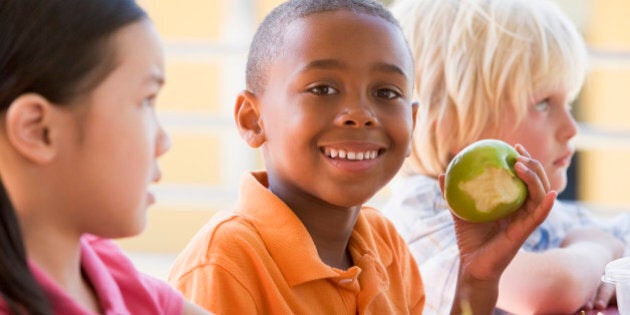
28,127
247,116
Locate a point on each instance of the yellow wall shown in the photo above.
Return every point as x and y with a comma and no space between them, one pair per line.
604,171
206,44
186,19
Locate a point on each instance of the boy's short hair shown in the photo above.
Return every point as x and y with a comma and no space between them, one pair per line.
267,43
478,59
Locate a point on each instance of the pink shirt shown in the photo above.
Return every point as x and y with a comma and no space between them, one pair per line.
119,287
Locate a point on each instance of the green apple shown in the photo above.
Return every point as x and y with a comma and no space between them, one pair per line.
481,184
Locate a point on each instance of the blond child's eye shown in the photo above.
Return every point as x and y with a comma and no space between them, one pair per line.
542,106
387,94
323,90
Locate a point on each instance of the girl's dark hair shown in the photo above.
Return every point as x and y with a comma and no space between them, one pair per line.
59,50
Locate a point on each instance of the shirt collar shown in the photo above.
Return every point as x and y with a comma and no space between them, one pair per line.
287,239
109,298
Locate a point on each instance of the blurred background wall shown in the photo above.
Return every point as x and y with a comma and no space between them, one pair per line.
206,42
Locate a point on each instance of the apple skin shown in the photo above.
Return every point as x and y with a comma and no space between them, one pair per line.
480,183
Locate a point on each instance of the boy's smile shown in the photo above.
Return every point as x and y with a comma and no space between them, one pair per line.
353,156
336,111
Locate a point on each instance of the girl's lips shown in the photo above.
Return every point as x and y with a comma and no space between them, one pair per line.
150,198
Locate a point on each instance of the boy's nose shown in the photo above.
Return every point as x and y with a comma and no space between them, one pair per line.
357,116
569,129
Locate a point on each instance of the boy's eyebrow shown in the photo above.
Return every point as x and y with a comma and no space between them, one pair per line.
337,64
324,64
388,67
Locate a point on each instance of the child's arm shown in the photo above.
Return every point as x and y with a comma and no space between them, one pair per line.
561,280
487,249
602,241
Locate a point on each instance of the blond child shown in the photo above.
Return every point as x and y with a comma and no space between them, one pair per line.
505,69
328,101
78,147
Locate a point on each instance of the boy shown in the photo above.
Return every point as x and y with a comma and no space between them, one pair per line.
328,100
509,70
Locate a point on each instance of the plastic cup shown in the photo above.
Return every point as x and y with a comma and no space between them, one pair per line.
617,272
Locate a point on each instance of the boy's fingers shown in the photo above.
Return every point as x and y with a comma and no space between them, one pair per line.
534,183
527,222
544,208
535,166
521,149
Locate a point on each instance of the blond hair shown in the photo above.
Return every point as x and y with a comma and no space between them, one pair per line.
479,59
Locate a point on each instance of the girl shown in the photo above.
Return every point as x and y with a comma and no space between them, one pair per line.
78,147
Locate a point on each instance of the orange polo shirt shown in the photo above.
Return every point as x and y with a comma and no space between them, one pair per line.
261,259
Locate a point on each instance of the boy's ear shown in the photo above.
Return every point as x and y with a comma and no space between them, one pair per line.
414,113
247,116
27,127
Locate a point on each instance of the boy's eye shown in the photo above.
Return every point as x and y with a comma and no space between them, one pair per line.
542,106
387,94
323,90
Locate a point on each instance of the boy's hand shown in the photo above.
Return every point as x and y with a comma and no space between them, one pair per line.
606,244
486,249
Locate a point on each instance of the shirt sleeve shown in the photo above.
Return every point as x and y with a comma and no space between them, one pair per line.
216,290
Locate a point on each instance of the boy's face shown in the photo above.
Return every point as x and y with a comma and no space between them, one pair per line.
546,131
336,113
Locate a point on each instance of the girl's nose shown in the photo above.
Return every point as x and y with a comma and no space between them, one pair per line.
163,142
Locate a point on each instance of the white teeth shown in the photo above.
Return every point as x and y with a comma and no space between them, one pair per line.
350,155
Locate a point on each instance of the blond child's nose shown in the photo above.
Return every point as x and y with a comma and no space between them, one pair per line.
569,129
